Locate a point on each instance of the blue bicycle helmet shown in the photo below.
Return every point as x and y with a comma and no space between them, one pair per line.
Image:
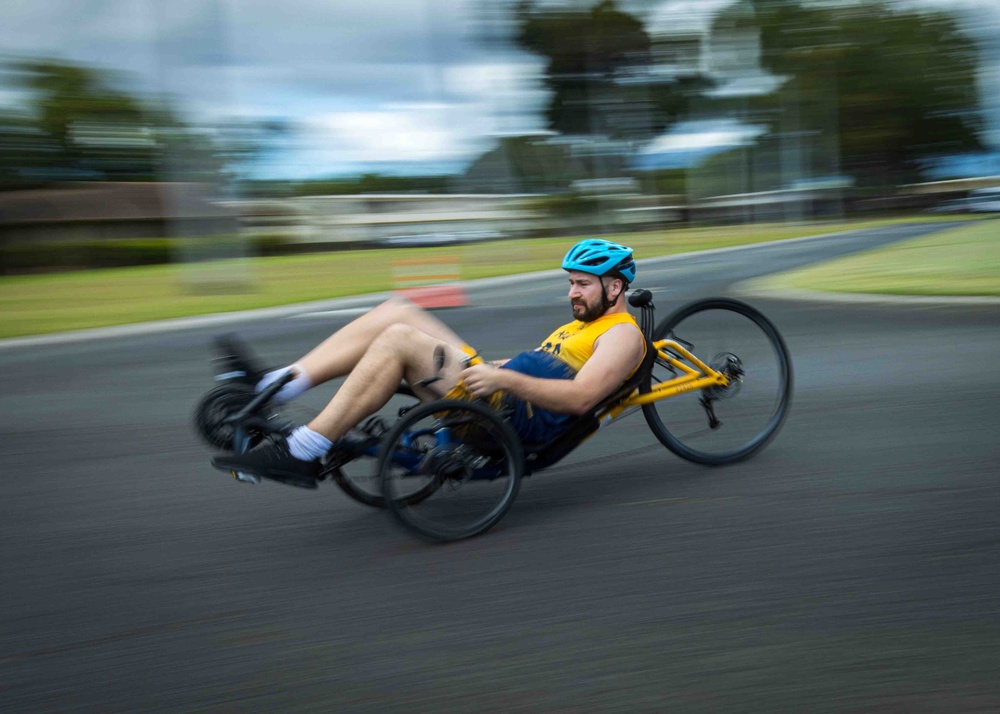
601,257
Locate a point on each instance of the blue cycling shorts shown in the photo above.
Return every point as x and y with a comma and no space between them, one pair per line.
532,424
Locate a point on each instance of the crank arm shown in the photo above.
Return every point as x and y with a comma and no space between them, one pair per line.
713,421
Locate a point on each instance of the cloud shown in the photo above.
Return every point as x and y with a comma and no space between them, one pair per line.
364,81
404,133
358,77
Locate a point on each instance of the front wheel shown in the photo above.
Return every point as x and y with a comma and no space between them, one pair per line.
212,413
463,459
722,425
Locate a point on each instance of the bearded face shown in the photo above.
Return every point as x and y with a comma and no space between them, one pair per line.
587,311
587,294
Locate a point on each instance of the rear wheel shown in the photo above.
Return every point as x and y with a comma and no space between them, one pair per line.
358,479
363,484
462,461
722,425
358,483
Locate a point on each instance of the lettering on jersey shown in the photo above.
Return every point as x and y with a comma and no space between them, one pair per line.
555,346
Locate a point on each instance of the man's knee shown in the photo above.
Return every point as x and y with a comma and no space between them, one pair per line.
398,336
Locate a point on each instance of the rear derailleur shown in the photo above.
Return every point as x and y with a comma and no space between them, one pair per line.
729,365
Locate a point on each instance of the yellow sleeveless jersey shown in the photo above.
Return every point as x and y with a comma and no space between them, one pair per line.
574,343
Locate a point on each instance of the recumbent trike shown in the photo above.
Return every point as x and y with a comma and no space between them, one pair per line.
450,469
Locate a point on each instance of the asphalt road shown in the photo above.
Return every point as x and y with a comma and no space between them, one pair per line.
851,566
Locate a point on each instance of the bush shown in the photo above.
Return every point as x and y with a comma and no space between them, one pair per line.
119,253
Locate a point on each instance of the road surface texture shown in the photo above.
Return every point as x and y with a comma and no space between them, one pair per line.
851,566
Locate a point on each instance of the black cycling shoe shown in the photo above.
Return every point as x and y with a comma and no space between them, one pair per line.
234,361
272,460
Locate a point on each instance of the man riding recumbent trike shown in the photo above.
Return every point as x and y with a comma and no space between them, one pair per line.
450,466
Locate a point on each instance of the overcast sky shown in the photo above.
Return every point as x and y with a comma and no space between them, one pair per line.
362,84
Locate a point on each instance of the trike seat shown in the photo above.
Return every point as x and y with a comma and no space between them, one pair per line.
540,456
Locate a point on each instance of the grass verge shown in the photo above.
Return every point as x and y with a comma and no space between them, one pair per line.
960,262
40,304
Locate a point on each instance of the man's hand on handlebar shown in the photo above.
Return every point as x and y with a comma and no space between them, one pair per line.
482,380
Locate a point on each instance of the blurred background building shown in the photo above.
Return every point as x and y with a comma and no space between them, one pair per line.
419,122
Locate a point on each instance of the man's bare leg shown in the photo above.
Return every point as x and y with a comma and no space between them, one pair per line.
399,351
343,350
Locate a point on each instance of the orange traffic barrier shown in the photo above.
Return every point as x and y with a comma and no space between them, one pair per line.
430,282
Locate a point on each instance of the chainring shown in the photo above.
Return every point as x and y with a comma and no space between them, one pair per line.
215,407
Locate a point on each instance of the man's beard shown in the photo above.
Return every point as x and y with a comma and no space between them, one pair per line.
589,312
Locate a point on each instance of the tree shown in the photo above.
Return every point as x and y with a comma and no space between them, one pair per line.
89,129
901,83
79,124
586,51
598,65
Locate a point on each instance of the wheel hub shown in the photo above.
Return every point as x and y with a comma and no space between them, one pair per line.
732,367
449,461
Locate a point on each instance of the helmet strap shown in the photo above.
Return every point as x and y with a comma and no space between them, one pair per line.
608,304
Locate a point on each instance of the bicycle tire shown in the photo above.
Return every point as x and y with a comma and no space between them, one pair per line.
783,378
372,496
435,519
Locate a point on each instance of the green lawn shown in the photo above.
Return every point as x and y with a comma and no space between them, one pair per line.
39,304
962,262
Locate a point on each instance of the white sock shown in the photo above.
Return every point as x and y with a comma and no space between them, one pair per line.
297,386
308,445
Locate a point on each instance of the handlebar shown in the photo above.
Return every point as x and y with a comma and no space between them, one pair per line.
260,400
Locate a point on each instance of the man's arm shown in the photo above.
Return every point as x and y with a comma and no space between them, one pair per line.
616,354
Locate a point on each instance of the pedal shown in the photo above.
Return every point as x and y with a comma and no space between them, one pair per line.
244,477
375,427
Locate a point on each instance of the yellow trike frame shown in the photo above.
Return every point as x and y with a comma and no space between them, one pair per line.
695,377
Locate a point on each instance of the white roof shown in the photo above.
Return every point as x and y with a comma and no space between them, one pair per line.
749,85
703,134
685,17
